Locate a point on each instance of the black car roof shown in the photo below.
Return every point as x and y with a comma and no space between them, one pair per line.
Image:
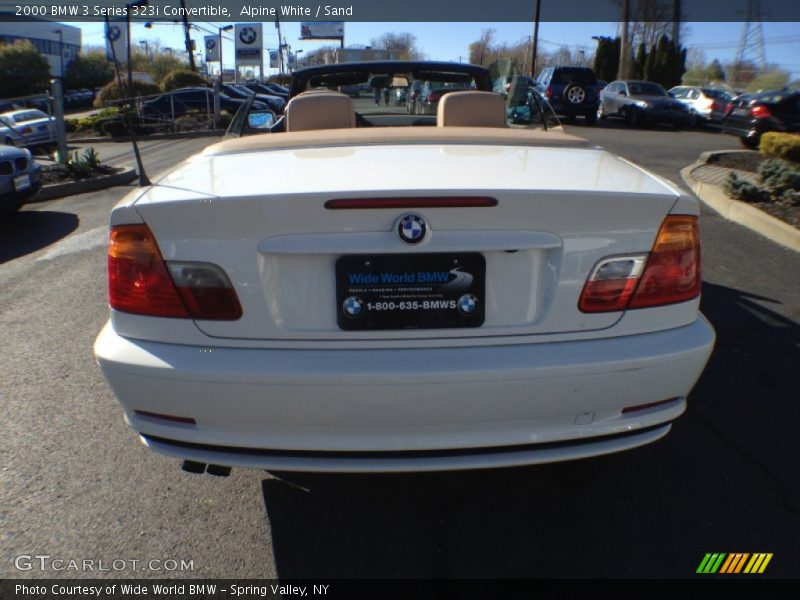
301,77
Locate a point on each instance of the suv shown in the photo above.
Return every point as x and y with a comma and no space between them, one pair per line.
571,91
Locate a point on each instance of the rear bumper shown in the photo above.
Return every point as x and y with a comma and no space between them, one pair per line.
404,409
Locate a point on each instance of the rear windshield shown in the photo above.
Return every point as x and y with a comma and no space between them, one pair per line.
579,76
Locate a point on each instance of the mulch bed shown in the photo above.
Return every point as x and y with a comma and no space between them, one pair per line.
749,161
786,213
743,161
59,173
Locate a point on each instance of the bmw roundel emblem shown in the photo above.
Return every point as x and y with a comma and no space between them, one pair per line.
248,35
113,33
412,229
211,44
353,307
467,305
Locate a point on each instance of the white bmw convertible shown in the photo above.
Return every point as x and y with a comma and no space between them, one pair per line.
367,290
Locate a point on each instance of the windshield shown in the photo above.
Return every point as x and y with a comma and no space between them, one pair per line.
645,88
29,115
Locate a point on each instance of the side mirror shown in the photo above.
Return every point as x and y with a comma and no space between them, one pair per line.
262,119
671,94
623,93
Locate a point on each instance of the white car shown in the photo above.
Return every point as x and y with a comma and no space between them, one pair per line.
28,127
386,298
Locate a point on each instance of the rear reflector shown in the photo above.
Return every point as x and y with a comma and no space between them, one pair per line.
670,273
412,202
140,282
172,418
630,409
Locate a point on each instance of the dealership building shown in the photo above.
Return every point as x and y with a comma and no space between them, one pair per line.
59,43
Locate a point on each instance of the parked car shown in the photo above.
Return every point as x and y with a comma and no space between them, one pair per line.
750,116
412,96
571,91
78,98
239,91
641,102
431,94
20,178
704,104
30,128
269,89
185,100
402,298
400,95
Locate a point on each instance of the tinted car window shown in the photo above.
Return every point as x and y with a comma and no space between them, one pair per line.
579,76
644,88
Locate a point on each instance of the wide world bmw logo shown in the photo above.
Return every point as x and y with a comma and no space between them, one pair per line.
412,229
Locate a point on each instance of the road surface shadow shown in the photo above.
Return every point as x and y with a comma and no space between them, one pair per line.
24,232
724,480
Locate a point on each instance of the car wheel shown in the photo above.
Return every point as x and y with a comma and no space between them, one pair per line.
632,117
750,142
574,94
591,118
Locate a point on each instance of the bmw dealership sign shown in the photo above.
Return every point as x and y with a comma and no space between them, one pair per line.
249,44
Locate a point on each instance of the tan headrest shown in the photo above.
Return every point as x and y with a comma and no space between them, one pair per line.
320,110
471,109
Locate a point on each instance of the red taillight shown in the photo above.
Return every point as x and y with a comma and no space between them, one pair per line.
669,274
434,96
548,93
714,105
759,111
673,268
611,283
139,281
26,130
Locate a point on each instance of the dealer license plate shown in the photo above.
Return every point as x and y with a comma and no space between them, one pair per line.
410,291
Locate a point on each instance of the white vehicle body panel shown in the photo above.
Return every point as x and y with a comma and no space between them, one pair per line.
285,387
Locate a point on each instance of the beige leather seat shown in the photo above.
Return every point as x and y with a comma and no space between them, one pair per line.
320,110
471,109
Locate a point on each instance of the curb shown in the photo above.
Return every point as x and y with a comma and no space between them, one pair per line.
741,212
70,188
144,138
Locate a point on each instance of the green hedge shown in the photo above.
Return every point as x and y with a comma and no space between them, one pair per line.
181,78
112,92
781,145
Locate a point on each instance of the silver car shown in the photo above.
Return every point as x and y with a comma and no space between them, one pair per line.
28,127
704,104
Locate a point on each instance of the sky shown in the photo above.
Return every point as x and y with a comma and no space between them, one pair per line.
449,41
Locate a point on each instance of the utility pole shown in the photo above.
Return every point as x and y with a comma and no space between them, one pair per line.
535,43
676,22
280,44
624,47
188,38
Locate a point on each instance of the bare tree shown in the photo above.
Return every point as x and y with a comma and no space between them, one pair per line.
402,45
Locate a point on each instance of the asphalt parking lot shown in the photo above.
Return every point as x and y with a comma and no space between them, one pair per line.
75,484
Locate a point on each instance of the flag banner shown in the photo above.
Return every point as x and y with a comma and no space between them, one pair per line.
212,48
116,36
